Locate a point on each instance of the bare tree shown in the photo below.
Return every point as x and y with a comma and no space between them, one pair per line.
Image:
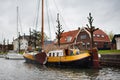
91,29
59,31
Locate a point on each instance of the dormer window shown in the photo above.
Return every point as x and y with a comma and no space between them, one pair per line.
98,35
83,36
69,38
102,36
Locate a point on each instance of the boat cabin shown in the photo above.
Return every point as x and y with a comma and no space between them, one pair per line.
55,53
64,52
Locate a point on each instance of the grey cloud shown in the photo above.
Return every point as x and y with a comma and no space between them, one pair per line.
74,12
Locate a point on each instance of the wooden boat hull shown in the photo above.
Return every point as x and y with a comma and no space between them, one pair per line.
29,58
81,60
40,58
78,63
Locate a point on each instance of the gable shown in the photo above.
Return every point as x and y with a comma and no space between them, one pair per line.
69,37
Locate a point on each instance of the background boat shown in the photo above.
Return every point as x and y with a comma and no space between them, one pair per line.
14,55
37,56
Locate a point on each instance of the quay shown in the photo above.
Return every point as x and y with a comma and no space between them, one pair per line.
110,60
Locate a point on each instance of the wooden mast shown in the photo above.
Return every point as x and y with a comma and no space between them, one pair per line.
42,40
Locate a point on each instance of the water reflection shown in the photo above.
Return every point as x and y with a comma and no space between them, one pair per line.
19,70
78,74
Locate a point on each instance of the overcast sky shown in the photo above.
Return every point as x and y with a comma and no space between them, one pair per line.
73,14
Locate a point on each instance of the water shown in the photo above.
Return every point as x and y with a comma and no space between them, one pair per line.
19,70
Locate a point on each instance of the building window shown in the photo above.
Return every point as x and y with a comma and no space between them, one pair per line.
96,43
102,36
83,44
88,45
69,38
83,36
98,35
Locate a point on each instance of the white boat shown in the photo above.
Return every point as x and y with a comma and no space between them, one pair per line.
14,55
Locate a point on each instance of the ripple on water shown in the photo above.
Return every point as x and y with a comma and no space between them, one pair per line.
19,70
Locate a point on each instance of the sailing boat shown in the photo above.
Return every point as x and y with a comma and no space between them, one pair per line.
68,56
14,55
35,56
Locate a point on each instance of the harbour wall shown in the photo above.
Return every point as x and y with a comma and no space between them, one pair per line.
110,60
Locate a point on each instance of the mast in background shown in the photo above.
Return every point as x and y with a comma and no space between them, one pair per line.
17,21
42,40
18,33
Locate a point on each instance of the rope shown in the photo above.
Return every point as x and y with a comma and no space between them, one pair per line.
37,14
51,18
60,15
48,19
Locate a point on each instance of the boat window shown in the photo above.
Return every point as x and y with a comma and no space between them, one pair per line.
53,54
49,54
60,54
57,54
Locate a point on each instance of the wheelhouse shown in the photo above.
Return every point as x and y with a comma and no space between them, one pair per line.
56,53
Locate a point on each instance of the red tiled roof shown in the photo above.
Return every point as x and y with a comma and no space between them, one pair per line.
103,37
71,34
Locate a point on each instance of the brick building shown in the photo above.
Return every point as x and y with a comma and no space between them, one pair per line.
81,38
5,48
